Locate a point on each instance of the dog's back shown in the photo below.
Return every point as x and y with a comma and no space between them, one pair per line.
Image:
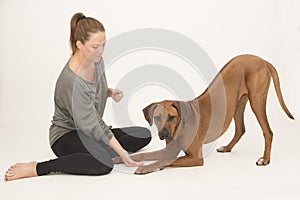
243,78
247,75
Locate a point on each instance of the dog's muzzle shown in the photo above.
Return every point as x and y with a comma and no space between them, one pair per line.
164,134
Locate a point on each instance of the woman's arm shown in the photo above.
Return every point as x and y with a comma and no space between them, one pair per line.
87,120
115,145
117,95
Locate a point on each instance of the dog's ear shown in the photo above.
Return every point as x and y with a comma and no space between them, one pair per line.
182,109
148,112
176,105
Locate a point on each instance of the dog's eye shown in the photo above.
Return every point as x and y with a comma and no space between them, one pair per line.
171,118
157,118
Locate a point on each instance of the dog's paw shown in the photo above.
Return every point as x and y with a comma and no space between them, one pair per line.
262,162
223,149
144,170
117,160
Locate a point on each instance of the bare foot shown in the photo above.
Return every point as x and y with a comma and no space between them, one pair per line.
21,170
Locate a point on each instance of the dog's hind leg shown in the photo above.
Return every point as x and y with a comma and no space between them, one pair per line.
239,125
258,106
258,86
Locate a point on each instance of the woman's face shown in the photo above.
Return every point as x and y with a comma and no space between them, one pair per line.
94,47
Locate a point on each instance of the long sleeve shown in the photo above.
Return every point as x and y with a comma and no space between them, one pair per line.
85,113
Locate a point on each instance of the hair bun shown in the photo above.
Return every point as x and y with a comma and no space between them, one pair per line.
80,18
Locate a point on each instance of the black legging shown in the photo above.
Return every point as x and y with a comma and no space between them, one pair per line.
82,155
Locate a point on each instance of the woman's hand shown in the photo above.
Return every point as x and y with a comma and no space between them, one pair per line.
128,161
116,94
115,145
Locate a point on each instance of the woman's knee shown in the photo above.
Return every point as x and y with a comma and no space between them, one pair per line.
146,135
142,132
141,139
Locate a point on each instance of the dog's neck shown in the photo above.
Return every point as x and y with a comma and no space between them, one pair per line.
204,101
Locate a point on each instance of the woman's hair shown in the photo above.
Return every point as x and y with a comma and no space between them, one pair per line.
81,27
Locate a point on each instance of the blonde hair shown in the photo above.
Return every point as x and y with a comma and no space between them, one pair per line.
81,27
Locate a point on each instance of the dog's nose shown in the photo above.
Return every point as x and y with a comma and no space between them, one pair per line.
164,134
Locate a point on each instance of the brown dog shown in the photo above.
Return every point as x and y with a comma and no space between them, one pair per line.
188,125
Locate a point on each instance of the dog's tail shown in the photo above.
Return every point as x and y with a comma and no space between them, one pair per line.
278,90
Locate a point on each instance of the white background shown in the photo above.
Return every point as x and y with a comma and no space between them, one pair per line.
34,48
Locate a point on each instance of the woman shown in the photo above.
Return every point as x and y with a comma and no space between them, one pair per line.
83,143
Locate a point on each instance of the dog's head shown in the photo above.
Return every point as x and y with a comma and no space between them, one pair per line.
166,116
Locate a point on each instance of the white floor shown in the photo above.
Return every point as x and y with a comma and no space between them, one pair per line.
224,176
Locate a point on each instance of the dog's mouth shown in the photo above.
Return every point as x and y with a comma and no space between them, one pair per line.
165,135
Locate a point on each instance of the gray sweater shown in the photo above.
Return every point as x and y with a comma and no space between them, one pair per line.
79,105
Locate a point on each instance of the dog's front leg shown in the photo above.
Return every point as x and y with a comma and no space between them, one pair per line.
161,164
170,151
187,161
145,156
193,157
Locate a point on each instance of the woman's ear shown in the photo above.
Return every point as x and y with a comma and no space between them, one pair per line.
79,44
